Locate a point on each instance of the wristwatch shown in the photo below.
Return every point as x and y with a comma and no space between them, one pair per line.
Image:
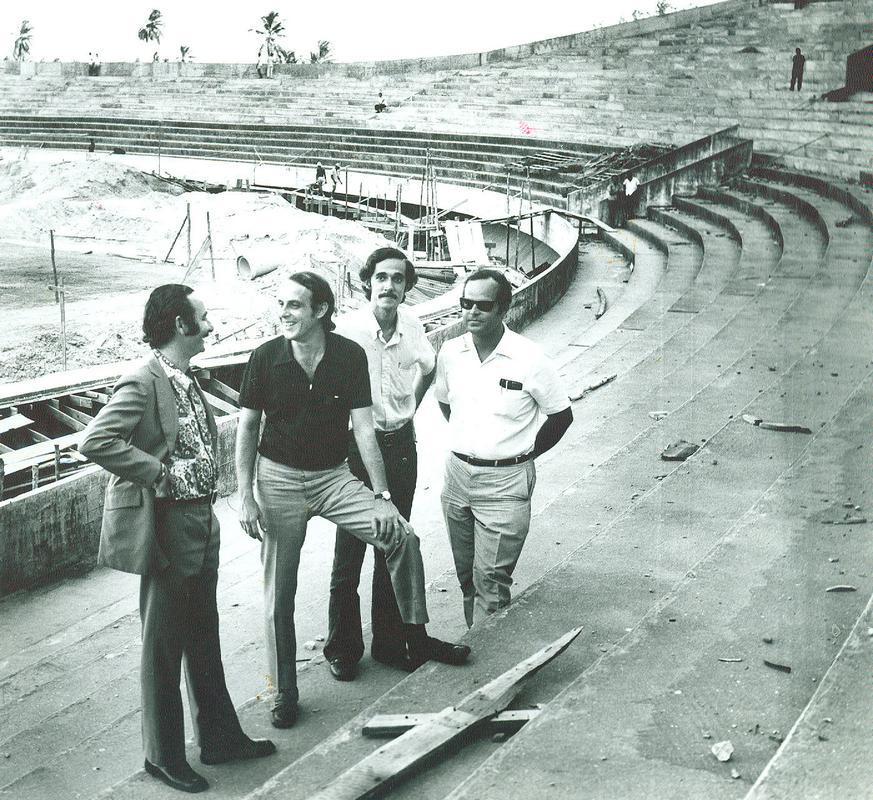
386,496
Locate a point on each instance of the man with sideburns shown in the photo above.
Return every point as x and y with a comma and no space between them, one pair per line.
308,383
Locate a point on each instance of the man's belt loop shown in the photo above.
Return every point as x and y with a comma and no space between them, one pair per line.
494,462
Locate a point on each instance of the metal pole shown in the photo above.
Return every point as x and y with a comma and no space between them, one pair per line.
63,322
34,476
209,235
533,249
188,217
54,266
2,476
57,462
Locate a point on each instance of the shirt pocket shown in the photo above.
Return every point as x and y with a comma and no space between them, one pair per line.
403,373
510,402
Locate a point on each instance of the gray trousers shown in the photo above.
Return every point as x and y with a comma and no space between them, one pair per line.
288,498
487,514
180,625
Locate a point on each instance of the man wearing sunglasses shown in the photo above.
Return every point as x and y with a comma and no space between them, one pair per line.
505,406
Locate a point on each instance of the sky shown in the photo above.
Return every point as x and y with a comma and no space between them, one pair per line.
358,31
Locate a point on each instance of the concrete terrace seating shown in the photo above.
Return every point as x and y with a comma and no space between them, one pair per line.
634,709
760,290
472,160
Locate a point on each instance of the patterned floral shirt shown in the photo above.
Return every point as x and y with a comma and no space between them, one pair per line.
191,465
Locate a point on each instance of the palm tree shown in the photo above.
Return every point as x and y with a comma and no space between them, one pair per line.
21,48
272,29
323,55
151,31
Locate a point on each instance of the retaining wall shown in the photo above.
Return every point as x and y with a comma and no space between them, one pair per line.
55,530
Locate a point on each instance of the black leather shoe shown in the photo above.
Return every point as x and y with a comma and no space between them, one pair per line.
394,659
179,776
438,650
341,669
244,750
284,713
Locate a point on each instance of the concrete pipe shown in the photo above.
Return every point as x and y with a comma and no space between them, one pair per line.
248,272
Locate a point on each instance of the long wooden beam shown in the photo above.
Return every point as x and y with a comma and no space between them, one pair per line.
389,764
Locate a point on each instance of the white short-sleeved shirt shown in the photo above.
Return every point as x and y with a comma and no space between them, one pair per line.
497,404
393,365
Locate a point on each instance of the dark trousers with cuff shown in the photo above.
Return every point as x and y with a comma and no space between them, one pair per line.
345,639
180,625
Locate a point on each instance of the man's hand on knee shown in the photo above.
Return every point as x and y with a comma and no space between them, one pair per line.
386,524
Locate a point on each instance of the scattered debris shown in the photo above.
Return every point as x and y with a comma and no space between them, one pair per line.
310,645
775,665
723,750
735,774
499,737
658,415
679,451
730,660
767,640
319,638
593,386
842,587
847,520
707,735
782,427
844,223
601,303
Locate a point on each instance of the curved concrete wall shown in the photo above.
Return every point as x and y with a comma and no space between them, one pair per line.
56,529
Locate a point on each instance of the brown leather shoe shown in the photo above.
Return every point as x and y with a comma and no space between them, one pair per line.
245,750
179,776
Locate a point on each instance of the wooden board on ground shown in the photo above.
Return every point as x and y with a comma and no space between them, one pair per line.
389,764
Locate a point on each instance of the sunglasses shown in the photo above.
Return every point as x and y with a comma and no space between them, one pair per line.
482,305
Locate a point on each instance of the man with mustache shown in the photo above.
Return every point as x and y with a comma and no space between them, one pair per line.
157,437
309,383
401,365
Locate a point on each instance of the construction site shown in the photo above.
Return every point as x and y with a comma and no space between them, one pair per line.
692,616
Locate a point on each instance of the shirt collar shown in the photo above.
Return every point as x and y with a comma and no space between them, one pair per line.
285,354
173,372
375,329
504,346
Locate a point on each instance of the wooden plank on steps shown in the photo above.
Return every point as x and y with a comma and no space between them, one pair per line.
390,725
389,764
52,407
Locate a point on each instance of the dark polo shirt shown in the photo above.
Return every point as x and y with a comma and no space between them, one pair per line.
306,426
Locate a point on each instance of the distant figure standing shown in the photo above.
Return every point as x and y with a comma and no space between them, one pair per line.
631,195
615,203
271,60
380,104
97,64
797,65
261,65
335,178
320,176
